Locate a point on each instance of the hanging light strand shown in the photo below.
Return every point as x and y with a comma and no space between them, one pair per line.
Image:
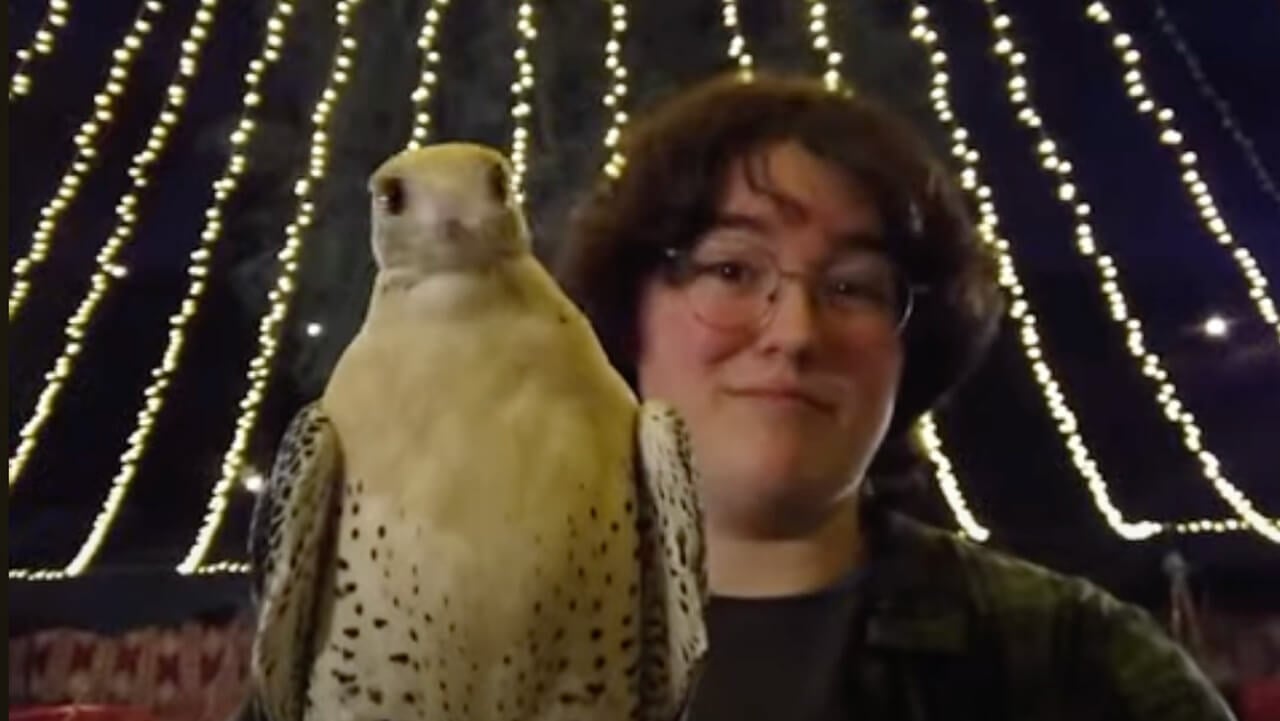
1149,363
615,97
427,78
29,575
1020,309
1225,115
155,394
108,270
100,118
223,568
1192,181
521,91
41,574
822,45
42,45
927,432
739,56
280,296
1217,525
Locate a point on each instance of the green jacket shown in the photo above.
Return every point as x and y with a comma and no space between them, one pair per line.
948,629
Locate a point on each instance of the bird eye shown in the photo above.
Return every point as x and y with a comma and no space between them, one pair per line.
499,183
391,196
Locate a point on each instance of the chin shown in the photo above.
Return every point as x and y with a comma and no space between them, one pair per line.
778,471
772,498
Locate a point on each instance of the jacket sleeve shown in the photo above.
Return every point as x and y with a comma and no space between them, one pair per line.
1143,674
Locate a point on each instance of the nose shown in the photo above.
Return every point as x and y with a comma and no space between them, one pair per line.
792,326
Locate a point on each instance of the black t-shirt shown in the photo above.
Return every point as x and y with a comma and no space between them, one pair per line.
778,658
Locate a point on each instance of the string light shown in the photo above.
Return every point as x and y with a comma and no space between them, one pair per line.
614,99
1210,526
1226,117
42,44
223,568
42,574
822,44
520,90
280,296
1196,186
213,569
427,78
100,118
927,433
107,269
738,53
1086,245
1020,309
154,396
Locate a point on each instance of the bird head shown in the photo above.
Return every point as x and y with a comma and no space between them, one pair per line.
445,207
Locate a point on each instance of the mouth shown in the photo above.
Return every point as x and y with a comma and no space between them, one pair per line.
784,394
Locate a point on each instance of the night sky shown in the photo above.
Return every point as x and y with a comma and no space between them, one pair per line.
1015,472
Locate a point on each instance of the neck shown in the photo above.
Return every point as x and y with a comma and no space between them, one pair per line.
751,566
410,295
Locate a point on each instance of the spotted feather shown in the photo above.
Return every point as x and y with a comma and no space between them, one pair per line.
675,591
290,547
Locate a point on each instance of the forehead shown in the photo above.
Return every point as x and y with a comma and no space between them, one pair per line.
786,187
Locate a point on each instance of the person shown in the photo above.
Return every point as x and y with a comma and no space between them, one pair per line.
795,272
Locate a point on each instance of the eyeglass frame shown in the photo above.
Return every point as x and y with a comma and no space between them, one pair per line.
674,255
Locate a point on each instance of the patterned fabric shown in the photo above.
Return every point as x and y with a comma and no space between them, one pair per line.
190,673
946,630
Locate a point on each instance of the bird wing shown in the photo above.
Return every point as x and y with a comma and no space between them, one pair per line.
290,547
674,590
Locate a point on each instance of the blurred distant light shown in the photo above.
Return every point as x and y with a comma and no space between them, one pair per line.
1215,326
253,481
314,330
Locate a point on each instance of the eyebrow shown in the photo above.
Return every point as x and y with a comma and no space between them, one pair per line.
740,221
862,240
855,240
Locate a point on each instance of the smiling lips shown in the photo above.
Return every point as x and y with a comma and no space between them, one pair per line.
785,392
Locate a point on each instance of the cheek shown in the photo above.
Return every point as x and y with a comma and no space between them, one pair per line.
677,353
874,365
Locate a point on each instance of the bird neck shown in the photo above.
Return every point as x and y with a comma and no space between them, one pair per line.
413,297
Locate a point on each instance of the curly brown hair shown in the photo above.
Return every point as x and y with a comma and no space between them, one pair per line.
677,158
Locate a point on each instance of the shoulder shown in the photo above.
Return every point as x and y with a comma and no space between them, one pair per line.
1045,611
1000,582
1027,600
1059,625
992,579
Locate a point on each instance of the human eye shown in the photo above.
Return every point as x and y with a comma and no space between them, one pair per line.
860,282
732,272
730,266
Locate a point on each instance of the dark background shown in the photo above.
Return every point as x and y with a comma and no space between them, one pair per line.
1014,470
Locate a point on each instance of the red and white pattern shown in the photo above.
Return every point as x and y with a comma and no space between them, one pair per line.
200,673
189,673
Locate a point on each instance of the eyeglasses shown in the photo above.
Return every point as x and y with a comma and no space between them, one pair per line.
735,285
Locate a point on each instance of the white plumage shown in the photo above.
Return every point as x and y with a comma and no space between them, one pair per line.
477,520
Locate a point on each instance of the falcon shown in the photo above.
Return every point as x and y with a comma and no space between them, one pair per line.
477,519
